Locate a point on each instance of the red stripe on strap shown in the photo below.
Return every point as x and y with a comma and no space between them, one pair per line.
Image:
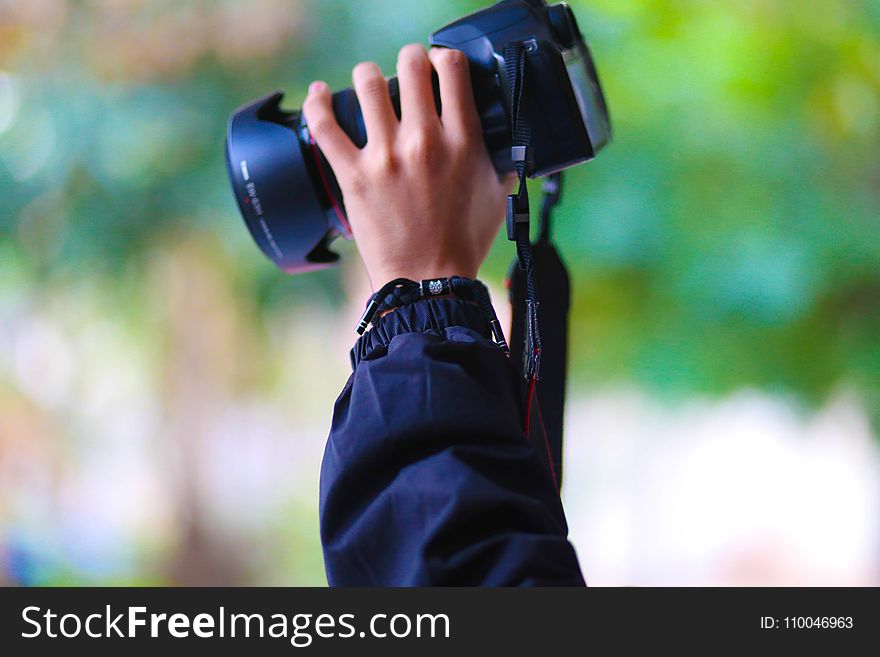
529,399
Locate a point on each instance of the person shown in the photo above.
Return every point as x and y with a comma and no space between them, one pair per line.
428,477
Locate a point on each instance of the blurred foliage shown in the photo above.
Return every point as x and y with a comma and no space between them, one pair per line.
729,237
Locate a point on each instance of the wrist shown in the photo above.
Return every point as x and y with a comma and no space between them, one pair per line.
385,311
430,315
418,272
399,292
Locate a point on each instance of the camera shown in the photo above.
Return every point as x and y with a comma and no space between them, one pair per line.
287,192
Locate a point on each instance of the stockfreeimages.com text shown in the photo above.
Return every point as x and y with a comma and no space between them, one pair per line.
300,629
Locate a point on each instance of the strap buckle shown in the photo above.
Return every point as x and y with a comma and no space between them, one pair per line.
520,154
515,215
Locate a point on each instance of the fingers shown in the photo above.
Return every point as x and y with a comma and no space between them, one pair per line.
335,144
459,110
414,72
372,93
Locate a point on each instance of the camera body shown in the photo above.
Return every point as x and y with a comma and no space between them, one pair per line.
287,192
568,119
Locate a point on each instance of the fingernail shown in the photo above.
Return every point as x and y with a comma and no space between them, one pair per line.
316,86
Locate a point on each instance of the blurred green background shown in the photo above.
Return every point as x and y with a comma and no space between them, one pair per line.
164,390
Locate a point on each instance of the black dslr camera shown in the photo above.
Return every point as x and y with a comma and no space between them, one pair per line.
288,194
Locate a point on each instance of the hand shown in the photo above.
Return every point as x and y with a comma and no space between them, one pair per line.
422,197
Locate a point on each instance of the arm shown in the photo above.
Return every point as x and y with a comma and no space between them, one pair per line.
428,477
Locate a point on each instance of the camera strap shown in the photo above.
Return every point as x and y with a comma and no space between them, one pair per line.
552,281
518,219
536,267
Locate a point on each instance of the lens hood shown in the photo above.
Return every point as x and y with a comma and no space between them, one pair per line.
272,167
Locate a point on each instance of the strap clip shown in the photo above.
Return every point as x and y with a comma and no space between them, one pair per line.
515,214
520,154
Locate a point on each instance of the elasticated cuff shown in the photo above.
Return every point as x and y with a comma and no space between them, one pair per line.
423,316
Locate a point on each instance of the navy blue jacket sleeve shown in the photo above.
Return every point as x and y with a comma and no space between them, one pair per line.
428,478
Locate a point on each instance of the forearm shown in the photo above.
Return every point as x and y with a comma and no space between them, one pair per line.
428,478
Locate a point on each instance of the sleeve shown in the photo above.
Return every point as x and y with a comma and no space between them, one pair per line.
428,478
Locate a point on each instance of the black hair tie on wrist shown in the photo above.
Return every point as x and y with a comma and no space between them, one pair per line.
403,291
